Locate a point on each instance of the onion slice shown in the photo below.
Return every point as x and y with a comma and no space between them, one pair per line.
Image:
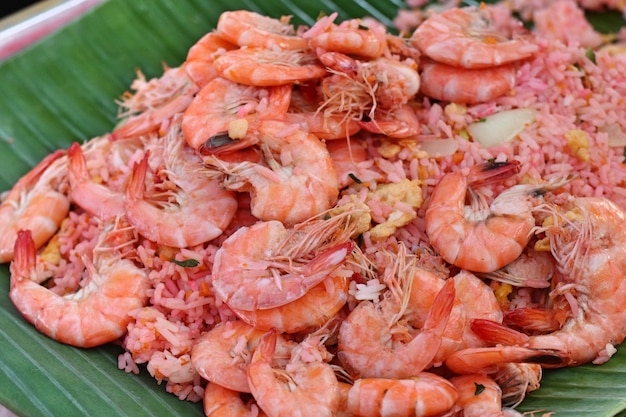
500,128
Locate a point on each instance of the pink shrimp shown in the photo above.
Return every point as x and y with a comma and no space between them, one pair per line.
349,37
374,340
222,354
400,122
295,180
423,395
479,396
38,202
463,85
589,244
320,304
97,313
95,198
266,265
350,160
186,208
221,103
247,28
199,61
264,67
301,389
223,402
480,238
155,102
465,37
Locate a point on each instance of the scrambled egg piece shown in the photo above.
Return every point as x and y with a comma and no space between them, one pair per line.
52,252
578,143
406,191
362,222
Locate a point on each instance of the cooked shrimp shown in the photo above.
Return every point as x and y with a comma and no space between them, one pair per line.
223,402
38,202
295,180
246,28
155,102
377,339
350,37
312,310
350,161
479,396
199,61
400,122
266,265
463,85
97,313
95,198
424,395
222,354
186,208
589,243
465,37
478,237
265,67
222,102
301,389
516,380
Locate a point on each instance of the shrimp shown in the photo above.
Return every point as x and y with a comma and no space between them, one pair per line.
465,37
377,340
479,396
424,395
37,202
312,310
155,102
199,61
301,389
589,245
295,180
264,67
221,103
247,28
97,313
350,161
223,402
222,354
350,37
463,85
477,237
186,208
401,122
516,380
95,198
266,265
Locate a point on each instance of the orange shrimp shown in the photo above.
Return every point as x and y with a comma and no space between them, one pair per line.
265,67
589,243
223,402
186,208
377,340
38,202
199,61
295,180
222,354
350,37
516,380
479,396
463,85
301,389
99,312
478,237
155,102
350,161
95,198
312,310
425,394
400,122
222,102
247,28
465,37
266,265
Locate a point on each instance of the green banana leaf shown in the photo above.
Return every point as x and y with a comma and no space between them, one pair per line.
63,89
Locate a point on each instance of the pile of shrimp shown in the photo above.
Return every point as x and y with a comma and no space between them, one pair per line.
243,184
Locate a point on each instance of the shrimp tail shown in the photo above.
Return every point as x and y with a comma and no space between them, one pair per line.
495,333
330,258
492,172
135,187
533,319
25,257
488,359
439,313
77,163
